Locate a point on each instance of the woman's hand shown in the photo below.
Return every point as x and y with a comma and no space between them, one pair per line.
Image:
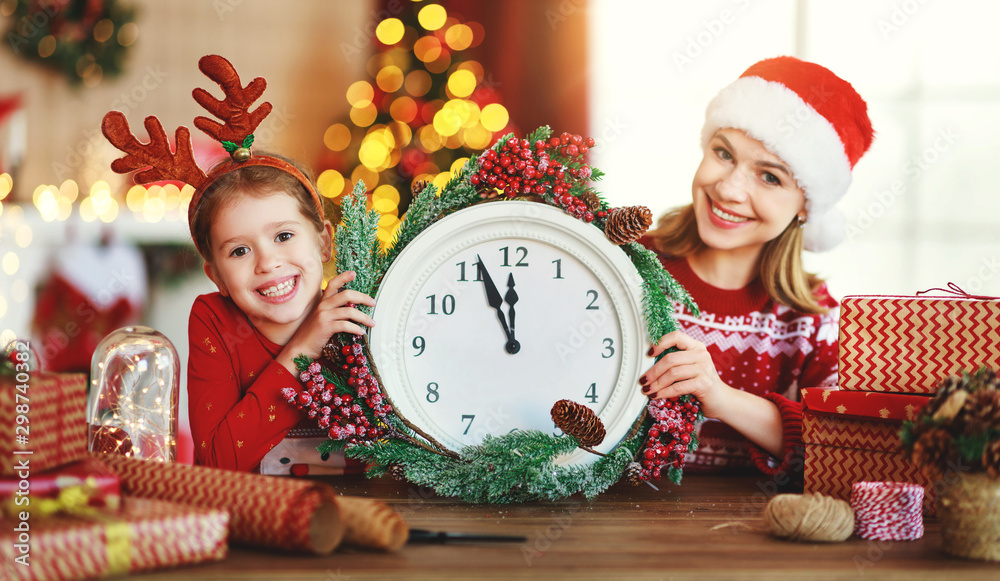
689,370
334,313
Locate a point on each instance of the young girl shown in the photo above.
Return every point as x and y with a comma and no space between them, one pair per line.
257,220
779,147
262,234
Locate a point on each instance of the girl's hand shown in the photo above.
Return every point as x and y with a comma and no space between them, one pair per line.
689,370
334,313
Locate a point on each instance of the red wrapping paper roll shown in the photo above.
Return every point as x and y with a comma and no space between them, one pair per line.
266,511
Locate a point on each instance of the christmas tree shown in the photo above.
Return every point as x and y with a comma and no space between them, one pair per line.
421,112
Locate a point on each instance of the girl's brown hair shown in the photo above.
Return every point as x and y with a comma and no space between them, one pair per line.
253,180
780,269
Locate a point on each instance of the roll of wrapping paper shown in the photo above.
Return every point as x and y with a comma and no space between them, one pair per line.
372,524
265,511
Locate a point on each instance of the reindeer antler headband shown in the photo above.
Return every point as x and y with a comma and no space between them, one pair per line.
155,160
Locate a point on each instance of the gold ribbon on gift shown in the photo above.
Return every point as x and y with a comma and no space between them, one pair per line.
74,501
117,545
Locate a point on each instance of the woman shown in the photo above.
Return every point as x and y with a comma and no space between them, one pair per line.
779,147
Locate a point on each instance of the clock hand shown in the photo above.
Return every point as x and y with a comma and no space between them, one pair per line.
493,298
510,298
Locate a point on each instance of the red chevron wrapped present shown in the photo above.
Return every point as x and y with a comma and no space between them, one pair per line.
852,436
53,430
144,535
266,511
907,344
98,485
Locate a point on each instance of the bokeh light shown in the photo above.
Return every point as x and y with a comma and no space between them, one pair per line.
10,263
47,46
390,79
432,16
364,116
337,137
403,109
458,37
373,153
427,49
103,30
494,117
462,83
363,174
417,83
360,94
390,31
22,234
128,33
331,183
6,185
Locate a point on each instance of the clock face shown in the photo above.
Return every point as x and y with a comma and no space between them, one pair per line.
496,312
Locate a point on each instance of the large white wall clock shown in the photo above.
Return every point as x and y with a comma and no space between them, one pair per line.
493,313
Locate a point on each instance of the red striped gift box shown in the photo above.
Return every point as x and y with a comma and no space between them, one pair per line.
54,429
907,344
854,437
144,535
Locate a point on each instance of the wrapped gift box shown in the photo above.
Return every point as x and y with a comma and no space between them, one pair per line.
854,437
144,535
55,430
100,486
907,344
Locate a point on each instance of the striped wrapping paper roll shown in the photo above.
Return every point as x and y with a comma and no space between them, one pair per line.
888,511
266,511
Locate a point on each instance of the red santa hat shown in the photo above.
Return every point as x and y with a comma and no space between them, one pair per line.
809,117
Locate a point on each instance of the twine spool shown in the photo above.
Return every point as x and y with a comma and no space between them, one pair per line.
888,511
809,517
970,517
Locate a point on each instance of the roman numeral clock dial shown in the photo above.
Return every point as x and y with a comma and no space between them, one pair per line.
497,311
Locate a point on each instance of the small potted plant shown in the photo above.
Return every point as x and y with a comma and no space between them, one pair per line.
956,439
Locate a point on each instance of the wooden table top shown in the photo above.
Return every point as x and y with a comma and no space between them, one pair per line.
627,532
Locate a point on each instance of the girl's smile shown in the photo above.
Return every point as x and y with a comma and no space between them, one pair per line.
280,290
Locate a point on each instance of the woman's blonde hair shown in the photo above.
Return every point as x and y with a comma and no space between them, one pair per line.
781,271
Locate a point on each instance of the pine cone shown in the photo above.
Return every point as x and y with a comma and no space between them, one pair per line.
987,378
628,224
982,411
330,351
951,407
591,200
943,391
633,474
578,421
397,472
932,450
418,186
991,458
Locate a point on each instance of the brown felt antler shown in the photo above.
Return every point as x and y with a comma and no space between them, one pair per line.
155,159
234,109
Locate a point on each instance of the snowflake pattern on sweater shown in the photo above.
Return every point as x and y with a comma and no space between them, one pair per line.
761,347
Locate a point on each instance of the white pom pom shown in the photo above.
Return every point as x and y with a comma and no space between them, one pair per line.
821,233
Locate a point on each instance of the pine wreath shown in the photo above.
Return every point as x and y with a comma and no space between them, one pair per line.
344,394
84,39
